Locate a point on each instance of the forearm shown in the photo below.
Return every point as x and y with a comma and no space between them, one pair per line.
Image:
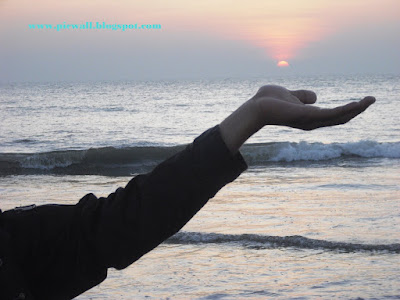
240,125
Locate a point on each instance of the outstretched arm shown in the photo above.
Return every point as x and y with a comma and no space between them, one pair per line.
275,105
66,249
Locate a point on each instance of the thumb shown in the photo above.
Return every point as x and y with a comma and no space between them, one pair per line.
305,96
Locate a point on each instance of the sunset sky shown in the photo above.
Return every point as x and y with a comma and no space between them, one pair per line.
198,39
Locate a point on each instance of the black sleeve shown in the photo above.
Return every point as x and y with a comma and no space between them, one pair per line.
155,206
68,248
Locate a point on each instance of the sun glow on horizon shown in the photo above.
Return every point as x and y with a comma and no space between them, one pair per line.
282,29
283,63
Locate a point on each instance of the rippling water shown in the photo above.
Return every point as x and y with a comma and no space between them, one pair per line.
317,215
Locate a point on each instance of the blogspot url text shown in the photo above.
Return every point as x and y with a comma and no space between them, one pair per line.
94,25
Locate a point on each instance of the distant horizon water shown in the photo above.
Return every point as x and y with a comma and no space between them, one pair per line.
279,73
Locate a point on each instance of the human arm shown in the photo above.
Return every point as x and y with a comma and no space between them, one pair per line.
275,105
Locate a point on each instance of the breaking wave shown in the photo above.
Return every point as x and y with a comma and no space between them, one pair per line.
289,152
124,161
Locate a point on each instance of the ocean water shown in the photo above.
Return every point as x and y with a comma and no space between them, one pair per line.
316,215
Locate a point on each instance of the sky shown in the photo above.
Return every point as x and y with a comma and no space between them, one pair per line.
197,39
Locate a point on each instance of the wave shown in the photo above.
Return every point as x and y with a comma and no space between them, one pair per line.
122,161
303,151
106,160
256,241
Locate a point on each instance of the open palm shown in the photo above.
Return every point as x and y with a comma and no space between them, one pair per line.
280,106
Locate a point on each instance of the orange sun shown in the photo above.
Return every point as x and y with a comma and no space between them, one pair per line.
283,63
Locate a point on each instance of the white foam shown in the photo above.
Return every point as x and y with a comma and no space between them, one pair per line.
51,160
318,151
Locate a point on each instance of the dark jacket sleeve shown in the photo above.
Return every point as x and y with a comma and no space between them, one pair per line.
74,245
155,206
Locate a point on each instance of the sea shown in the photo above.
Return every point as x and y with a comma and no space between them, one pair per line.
315,216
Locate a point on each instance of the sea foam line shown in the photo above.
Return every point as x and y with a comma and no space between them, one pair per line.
286,151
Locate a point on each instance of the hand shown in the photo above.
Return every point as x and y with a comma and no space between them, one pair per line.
279,106
275,105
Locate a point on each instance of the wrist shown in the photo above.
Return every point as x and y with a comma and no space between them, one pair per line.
241,125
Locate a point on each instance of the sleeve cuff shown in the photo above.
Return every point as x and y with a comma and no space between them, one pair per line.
215,163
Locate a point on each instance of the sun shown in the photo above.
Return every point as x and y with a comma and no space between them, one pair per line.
283,63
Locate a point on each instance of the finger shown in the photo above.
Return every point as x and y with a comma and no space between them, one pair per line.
348,110
342,114
305,96
315,117
367,101
354,110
